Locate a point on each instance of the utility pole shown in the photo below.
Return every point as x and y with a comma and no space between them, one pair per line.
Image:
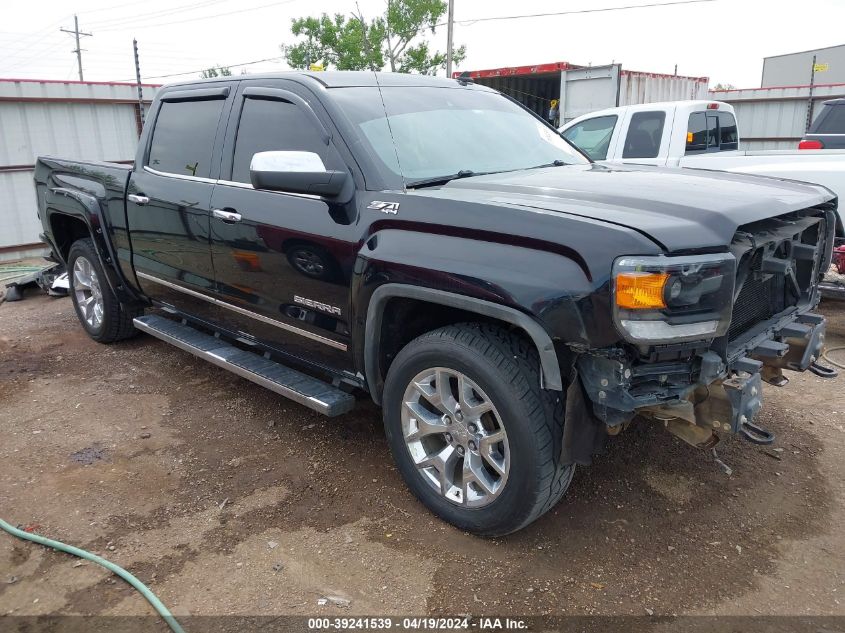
138,79
78,50
809,118
450,26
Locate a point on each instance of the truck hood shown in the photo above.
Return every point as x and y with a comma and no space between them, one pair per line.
677,208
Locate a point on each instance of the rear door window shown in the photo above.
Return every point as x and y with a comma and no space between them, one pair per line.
644,135
183,137
831,121
592,136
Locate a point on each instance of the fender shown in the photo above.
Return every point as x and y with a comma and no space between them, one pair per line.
85,207
550,376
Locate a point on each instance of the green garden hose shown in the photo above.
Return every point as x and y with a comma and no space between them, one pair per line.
81,553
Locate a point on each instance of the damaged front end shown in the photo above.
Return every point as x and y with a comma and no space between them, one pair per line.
703,332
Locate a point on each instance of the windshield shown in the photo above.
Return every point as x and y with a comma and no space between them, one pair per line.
441,132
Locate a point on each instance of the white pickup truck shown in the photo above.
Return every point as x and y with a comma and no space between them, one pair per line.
700,135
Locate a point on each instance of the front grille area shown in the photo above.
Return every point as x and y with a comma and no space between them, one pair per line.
758,299
777,262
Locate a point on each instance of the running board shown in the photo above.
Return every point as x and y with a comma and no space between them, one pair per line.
307,391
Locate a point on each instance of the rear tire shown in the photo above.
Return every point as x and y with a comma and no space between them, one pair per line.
99,311
508,472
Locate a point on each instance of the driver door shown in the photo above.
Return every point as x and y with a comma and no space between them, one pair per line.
282,261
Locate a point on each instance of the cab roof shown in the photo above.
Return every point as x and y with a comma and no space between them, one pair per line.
341,79
688,105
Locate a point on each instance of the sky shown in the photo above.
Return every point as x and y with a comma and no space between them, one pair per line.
724,40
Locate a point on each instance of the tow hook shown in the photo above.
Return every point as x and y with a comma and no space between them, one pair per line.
822,371
754,433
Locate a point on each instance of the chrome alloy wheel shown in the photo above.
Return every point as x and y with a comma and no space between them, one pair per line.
455,437
86,287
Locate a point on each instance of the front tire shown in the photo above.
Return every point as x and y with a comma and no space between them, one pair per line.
104,318
472,433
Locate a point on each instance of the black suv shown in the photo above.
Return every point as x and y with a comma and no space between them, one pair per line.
828,130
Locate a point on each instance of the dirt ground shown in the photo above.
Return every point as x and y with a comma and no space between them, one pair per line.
227,499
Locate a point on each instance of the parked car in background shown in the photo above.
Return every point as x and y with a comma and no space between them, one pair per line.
700,135
828,129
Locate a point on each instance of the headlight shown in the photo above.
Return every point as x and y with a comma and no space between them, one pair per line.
672,299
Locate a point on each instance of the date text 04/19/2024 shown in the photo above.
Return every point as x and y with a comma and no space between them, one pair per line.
416,623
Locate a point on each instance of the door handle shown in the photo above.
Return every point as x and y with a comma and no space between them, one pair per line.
142,200
227,216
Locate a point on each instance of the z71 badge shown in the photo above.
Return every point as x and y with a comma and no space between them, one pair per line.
384,207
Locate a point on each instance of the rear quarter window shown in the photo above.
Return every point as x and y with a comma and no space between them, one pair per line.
831,120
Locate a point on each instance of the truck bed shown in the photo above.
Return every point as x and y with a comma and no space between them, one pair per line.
90,194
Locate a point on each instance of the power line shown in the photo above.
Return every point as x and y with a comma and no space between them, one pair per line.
199,70
42,53
472,21
119,21
41,35
114,24
206,17
114,7
602,10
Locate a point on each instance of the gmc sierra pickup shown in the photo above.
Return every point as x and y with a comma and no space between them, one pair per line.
506,301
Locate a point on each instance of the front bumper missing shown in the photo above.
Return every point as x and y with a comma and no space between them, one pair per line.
707,395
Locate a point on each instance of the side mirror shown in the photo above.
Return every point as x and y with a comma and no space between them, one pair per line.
295,172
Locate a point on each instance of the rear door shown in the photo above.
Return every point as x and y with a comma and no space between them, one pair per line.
169,197
645,137
283,261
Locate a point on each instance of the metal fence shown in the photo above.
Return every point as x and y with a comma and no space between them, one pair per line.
87,120
776,118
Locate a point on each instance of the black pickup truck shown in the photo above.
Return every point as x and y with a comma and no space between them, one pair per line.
433,244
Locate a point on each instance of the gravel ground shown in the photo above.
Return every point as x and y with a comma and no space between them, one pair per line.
227,499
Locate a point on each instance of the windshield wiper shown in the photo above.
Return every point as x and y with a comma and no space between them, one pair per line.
466,173
442,180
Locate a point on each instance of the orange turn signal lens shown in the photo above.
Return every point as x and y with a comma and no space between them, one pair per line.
640,291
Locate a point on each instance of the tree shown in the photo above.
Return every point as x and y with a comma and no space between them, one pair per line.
721,86
394,39
216,71
346,44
